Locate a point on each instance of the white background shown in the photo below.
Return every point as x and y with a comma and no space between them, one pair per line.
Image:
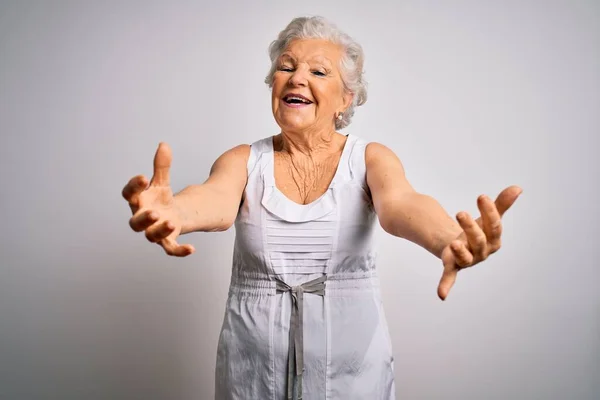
472,95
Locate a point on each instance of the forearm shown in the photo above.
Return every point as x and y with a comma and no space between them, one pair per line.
202,208
420,219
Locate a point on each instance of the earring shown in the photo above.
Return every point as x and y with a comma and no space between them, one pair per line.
340,116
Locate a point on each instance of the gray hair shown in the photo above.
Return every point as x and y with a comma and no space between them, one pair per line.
351,63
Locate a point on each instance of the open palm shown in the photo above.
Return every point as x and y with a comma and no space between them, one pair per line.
153,207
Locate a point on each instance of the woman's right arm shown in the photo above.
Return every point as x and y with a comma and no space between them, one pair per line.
213,205
209,207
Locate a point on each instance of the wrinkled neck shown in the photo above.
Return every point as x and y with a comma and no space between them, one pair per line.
308,143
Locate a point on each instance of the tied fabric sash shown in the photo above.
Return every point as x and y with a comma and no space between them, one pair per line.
296,346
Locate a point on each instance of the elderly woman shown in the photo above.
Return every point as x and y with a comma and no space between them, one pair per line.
304,317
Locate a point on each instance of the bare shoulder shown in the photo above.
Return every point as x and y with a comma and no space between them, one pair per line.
229,171
385,172
234,158
379,156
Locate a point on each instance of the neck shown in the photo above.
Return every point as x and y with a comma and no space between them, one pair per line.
308,143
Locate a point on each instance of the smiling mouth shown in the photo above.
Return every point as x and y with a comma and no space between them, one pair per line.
296,99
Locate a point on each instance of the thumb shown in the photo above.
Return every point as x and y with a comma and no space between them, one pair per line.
447,281
507,197
162,165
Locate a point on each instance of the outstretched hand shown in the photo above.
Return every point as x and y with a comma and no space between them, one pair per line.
153,207
479,239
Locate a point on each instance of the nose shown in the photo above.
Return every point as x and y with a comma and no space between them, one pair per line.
299,77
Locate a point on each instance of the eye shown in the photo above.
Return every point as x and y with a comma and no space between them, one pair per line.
286,69
319,73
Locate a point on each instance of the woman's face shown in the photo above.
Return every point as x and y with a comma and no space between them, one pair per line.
308,92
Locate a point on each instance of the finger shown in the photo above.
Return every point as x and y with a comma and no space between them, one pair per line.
162,164
475,236
143,220
491,221
447,281
134,187
507,197
173,249
160,231
463,257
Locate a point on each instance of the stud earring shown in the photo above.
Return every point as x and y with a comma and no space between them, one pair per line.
340,116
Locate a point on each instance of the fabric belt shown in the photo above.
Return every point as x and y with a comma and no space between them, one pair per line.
296,346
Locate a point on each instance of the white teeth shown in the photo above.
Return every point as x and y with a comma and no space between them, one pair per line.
299,99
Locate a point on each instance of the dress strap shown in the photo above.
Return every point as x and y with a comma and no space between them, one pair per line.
257,150
357,164
343,171
267,162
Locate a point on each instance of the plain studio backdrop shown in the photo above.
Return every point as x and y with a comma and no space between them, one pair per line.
473,96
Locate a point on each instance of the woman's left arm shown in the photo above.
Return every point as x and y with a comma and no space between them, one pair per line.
419,218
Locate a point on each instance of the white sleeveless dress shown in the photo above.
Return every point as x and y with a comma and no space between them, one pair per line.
304,317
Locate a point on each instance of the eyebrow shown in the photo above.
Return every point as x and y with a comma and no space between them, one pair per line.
287,55
320,59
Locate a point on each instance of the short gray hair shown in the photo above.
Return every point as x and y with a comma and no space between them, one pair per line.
351,63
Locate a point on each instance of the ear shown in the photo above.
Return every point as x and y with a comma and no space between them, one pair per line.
347,99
